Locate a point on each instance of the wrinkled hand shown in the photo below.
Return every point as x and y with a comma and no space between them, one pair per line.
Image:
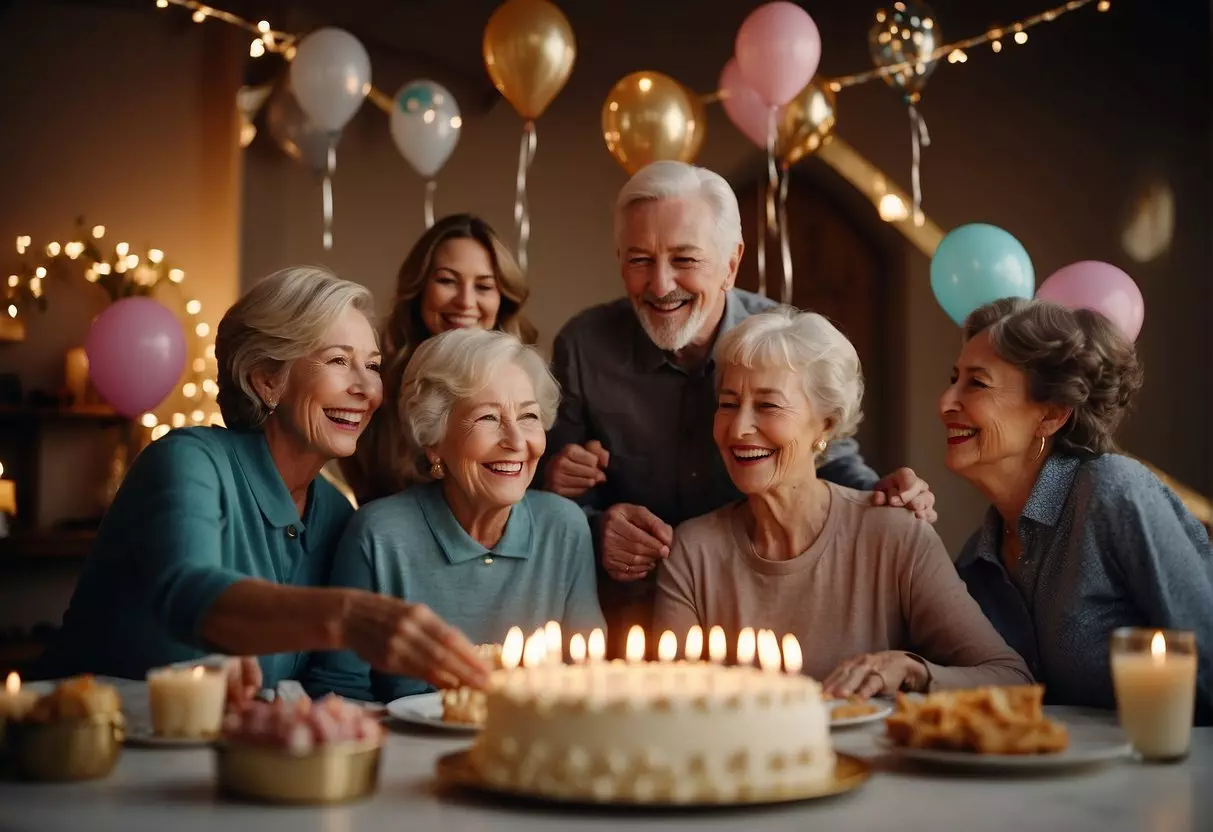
903,489
577,469
394,636
243,679
873,674
633,541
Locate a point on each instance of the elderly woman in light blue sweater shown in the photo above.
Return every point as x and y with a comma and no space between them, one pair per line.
469,541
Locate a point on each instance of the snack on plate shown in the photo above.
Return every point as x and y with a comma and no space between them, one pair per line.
467,705
303,726
854,708
76,698
989,720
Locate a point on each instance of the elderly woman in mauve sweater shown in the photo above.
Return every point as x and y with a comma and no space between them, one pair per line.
869,591
1078,540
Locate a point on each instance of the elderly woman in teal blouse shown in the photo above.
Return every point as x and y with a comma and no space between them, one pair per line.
221,539
470,541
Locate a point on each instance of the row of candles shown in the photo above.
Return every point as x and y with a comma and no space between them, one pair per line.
546,646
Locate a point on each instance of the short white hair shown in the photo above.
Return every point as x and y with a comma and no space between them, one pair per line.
281,319
678,180
453,366
810,346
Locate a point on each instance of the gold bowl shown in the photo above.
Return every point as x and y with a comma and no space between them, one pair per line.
333,773
68,749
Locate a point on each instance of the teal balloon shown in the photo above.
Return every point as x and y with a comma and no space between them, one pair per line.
976,264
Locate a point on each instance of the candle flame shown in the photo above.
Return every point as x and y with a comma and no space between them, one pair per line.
694,648
793,660
667,647
534,652
745,646
511,649
577,648
768,651
1158,646
12,684
198,671
553,641
596,646
633,651
716,645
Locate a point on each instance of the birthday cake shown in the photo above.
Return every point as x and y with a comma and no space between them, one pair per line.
668,732
466,705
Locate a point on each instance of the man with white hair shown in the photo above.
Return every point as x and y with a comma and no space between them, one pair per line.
632,440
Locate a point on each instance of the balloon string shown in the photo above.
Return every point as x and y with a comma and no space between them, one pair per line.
522,214
785,249
329,168
430,187
919,138
761,214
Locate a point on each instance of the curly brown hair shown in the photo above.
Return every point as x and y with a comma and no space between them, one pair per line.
1075,358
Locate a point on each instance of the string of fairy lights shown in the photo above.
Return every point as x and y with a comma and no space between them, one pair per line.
121,272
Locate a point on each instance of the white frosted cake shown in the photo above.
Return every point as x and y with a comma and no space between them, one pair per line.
669,732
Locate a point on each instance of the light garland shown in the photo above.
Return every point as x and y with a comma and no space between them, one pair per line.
955,51
123,274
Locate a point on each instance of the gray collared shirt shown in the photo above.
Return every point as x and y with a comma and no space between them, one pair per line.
655,417
1105,544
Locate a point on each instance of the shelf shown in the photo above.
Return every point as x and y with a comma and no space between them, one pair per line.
94,414
46,545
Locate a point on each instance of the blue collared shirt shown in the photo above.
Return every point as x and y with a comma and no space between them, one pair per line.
411,546
201,509
1105,544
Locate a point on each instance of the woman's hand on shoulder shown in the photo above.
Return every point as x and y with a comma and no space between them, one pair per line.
904,489
397,637
876,674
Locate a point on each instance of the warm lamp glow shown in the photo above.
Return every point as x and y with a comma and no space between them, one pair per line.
1158,647
667,646
745,646
694,646
768,651
511,649
793,660
553,641
717,648
12,685
633,651
577,648
534,652
596,646
198,671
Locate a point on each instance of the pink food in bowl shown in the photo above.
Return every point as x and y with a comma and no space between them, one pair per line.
303,726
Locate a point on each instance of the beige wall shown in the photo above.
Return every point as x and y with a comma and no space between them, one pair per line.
111,115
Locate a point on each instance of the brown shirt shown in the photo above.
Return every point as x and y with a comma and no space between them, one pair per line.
875,579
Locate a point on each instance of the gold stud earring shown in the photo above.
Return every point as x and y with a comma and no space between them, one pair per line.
820,445
437,472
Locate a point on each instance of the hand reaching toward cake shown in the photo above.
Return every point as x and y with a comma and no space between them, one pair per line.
876,674
406,639
243,679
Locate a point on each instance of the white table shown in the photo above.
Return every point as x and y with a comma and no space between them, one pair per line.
171,791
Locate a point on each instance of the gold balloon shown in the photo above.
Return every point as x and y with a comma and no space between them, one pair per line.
650,117
528,51
807,123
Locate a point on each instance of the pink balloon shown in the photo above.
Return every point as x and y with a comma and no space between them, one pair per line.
743,106
136,352
1090,284
778,48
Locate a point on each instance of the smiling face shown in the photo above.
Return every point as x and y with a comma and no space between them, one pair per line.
988,412
493,442
330,394
461,290
673,269
765,428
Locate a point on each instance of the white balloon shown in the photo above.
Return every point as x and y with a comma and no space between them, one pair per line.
330,76
425,125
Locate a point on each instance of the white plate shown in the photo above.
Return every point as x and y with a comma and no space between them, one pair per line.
884,708
425,709
1090,745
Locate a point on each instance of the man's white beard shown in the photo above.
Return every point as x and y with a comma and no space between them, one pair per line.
670,335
